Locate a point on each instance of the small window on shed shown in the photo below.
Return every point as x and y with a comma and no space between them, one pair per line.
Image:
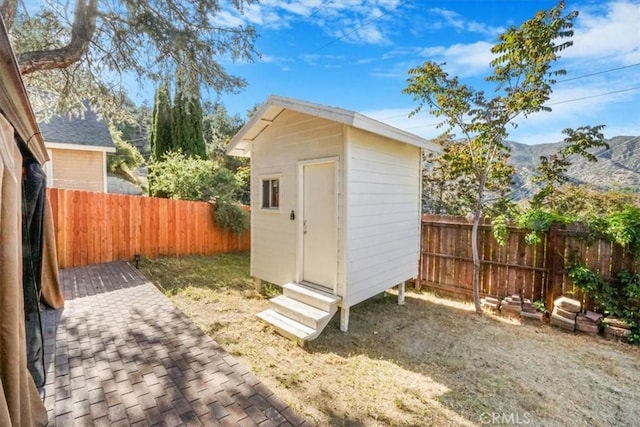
271,193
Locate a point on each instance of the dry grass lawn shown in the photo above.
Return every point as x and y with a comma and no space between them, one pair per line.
429,362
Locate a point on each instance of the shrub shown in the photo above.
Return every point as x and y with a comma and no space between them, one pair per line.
186,178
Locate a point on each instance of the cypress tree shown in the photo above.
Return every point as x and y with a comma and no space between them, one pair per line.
161,129
188,133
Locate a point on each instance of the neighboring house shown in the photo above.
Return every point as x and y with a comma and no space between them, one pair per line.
335,209
78,148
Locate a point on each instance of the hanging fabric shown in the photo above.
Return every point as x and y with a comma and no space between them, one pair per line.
20,404
33,195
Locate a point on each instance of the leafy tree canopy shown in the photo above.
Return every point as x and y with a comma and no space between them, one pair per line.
161,140
186,117
476,160
86,49
181,177
125,159
188,178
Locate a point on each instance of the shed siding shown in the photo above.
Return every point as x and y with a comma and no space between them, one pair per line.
383,214
291,138
78,170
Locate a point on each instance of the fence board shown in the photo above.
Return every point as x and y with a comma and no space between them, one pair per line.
96,227
537,271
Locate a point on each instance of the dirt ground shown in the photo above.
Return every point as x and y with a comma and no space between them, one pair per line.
432,361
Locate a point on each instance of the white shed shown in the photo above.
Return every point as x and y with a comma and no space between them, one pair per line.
335,209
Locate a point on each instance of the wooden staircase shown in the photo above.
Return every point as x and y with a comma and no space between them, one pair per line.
301,312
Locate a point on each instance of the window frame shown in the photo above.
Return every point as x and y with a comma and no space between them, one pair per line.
270,179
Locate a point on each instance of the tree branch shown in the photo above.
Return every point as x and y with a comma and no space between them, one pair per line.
8,10
84,27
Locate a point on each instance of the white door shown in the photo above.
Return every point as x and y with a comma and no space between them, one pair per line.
320,236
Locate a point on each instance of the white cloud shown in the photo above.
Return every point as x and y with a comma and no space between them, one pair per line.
456,21
227,18
421,124
582,109
611,32
353,21
462,59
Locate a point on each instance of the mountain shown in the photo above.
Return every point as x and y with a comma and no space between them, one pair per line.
617,168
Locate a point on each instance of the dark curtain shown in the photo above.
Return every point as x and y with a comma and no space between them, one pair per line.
33,202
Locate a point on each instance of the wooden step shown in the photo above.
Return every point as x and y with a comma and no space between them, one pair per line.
288,327
313,297
299,311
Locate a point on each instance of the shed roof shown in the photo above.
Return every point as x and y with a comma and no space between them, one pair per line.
268,112
14,102
87,130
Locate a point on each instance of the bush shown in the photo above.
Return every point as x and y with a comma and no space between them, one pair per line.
179,177
188,178
620,298
231,216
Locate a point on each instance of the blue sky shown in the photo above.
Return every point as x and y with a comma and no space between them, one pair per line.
355,55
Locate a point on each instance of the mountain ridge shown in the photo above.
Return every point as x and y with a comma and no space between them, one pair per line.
617,168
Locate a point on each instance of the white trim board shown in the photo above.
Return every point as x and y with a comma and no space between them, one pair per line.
268,112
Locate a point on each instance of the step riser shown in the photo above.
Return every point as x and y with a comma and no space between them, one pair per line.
300,313
295,334
297,316
307,299
292,337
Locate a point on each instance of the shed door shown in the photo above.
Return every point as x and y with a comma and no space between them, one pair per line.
320,236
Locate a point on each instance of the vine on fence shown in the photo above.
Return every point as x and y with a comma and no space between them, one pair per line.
620,298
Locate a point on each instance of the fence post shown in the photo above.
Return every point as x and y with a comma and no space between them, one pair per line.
418,282
554,263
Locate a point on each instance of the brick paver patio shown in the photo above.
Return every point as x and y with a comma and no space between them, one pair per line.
120,353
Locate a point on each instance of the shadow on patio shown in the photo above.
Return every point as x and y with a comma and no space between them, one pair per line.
120,353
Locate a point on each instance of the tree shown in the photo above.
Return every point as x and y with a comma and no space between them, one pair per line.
161,127
85,50
188,178
552,170
125,159
186,117
523,78
219,128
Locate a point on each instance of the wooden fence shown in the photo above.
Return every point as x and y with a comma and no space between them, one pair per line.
96,227
538,272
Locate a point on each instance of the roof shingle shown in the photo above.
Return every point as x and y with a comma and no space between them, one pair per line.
87,130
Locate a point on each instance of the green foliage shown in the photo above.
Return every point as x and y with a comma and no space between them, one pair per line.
476,164
538,222
243,175
231,216
585,204
620,298
219,128
161,128
186,117
188,178
126,157
552,170
146,39
624,227
585,279
541,306
499,226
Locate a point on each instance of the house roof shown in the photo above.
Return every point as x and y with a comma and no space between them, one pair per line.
14,102
268,112
88,131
